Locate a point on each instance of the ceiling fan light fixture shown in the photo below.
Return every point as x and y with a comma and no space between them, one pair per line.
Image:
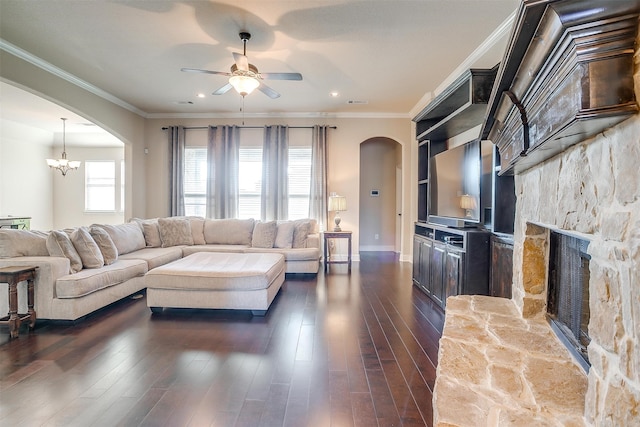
244,85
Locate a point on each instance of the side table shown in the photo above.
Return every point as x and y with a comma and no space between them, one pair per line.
336,235
13,276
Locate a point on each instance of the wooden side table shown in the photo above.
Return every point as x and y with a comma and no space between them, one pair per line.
13,276
336,235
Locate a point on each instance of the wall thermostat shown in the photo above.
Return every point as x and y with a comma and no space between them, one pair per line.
375,193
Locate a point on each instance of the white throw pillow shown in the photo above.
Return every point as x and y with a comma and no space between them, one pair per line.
106,245
59,244
228,231
264,234
175,232
300,233
284,235
87,248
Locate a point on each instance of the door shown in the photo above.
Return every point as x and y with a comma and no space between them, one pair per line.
417,244
453,273
425,265
436,282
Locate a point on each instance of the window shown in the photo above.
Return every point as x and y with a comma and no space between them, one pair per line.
299,181
195,181
250,182
100,186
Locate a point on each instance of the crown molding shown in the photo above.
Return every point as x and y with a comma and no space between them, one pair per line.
64,75
496,36
307,115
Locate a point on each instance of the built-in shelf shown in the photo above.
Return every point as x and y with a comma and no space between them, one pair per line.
458,108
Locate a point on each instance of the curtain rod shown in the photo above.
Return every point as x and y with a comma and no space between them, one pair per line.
253,127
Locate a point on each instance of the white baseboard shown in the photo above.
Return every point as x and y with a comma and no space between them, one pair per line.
377,248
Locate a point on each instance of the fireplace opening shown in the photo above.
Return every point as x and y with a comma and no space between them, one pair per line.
568,295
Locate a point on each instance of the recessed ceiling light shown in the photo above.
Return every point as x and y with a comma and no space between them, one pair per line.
200,95
334,94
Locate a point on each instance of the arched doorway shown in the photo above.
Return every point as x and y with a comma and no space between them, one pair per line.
380,195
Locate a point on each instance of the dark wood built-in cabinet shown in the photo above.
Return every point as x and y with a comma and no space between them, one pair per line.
450,261
453,261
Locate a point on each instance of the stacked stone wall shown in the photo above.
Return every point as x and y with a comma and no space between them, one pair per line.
591,190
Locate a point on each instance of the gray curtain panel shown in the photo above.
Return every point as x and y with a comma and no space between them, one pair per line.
275,178
318,196
176,168
223,151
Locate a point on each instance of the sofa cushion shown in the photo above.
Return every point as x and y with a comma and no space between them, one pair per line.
228,231
106,245
87,248
15,243
127,237
264,234
188,250
303,254
284,235
156,256
59,244
175,232
88,281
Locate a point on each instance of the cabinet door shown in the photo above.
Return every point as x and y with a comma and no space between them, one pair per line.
453,273
417,244
436,282
425,265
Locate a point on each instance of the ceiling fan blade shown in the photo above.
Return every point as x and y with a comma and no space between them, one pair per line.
241,61
224,89
281,76
197,70
268,91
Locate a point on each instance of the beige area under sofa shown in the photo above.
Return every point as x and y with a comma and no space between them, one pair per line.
84,269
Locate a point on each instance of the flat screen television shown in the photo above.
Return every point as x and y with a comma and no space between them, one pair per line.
456,187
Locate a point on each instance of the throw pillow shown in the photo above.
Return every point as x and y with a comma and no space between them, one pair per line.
106,245
150,230
197,230
300,233
59,244
284,235
175,231
127,237
22,243
87,248
264,234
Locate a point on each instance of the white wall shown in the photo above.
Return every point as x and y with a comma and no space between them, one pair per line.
68,203
25,180
343,152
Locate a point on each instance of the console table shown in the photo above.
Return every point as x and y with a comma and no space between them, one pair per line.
336,235
13,276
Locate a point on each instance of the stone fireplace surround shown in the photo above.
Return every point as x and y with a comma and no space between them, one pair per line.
590,190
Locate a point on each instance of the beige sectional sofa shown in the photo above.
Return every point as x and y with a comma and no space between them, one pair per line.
81,270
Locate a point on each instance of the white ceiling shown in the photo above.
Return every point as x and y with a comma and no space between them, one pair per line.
384,52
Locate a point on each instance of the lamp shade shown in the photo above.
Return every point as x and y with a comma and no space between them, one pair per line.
467,202
337,203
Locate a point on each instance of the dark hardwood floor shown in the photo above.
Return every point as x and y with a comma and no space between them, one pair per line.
336,350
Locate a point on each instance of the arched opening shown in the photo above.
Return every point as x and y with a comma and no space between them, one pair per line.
32,132
380,195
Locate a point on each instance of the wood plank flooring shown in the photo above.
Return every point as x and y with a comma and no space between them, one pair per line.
336,350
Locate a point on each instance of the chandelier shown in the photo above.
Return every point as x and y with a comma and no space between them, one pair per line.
62,164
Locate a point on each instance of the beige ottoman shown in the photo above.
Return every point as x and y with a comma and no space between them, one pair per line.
217,280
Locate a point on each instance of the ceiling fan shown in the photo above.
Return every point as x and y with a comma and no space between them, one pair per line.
244,77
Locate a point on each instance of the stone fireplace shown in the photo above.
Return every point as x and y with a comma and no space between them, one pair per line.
591,190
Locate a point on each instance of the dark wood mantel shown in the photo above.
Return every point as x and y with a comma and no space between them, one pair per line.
567,75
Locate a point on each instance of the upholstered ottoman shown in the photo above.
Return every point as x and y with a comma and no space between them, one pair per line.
217,280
